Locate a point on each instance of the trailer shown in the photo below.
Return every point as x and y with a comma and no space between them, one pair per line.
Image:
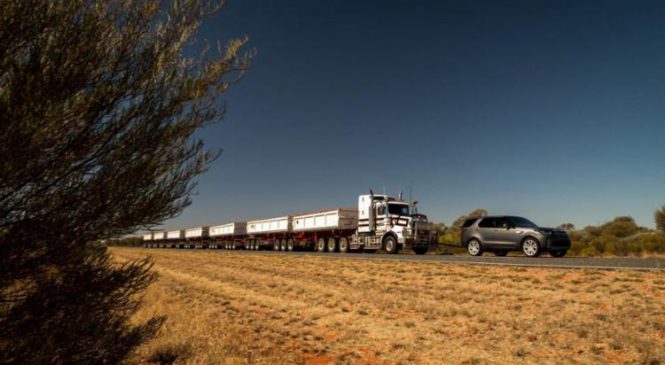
197,237
176,238
265,233
159,238
322,229
147,240
230,236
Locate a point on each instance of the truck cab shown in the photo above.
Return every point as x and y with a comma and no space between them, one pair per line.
388,223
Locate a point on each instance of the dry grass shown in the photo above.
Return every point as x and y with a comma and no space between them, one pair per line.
229,308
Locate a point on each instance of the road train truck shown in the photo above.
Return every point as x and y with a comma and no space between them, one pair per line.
380,222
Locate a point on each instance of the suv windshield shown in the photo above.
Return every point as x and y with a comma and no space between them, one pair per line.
522,222
399,209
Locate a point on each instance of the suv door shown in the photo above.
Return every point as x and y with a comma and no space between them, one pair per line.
505,235
486,230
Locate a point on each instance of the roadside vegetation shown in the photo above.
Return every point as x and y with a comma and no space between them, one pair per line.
227,307
619,237
99,105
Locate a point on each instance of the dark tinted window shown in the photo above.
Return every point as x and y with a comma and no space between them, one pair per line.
502,223
522,222
469,222
382,210
486,223
400,209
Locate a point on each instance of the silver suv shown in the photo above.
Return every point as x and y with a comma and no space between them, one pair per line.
500,234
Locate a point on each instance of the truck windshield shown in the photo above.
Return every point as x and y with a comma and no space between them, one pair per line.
399,209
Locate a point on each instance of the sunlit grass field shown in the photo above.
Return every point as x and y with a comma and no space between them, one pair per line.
230,308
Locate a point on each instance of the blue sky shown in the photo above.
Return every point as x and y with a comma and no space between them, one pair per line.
548,109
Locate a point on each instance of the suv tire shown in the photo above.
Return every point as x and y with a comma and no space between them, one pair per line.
558,253
531,247
474,247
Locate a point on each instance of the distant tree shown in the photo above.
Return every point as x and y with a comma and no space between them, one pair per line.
620,227
567,226
660,219
475,214
98,106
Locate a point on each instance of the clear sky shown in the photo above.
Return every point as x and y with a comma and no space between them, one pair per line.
553,110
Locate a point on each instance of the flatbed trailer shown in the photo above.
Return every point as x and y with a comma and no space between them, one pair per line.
197,237
230,236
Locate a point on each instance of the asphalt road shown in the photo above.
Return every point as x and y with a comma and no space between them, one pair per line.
543,261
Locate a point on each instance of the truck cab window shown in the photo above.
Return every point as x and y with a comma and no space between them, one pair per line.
399,209
381,210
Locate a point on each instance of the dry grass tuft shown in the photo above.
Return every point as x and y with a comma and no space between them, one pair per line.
230,308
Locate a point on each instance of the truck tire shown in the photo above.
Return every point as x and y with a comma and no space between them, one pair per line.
390,245
290,245
343,245
321,245
332,244
282,244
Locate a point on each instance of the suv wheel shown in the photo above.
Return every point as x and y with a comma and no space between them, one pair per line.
474,247
558,253
531,247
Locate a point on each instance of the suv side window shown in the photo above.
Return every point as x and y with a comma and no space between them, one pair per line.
502,223
469,222
486,223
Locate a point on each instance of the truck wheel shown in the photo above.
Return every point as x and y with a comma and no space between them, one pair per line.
390,245
282,244
289,244
420,250
321,245
343,245
332,244
474,248
531,247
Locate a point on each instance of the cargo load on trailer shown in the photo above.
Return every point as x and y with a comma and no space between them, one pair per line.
229,236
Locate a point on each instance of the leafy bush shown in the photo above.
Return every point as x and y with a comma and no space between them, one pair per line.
619,237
